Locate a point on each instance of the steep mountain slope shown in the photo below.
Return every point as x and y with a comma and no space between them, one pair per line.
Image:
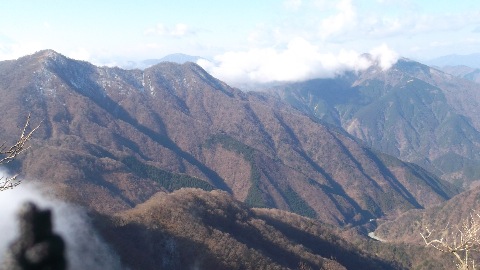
209,230
411,111
111,138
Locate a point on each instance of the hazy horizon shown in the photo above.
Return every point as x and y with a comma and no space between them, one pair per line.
246,41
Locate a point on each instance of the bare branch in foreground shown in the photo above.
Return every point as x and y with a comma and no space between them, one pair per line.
7,154
9,182
461,241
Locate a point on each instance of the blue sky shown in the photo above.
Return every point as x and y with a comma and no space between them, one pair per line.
225,31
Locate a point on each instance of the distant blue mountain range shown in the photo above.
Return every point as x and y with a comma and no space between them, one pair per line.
178,58
470,60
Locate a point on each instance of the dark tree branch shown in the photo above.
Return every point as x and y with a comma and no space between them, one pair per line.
7,154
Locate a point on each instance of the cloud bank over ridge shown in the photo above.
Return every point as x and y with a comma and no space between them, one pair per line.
299,60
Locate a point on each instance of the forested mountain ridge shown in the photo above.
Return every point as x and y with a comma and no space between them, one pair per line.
210,230
116,137
412,111
126,143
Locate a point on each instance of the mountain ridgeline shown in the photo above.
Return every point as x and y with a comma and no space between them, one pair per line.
181,171
111,138
191,228
411,111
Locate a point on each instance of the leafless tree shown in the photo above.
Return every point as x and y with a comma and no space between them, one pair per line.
462,241
8,153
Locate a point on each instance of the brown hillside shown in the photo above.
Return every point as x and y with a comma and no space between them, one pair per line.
209,230
407,227
111,138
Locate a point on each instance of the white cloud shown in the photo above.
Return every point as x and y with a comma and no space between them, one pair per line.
385,56
381,26
47,25
300,60
347,21
178,30
80,54
321,4
344,18
10,50
292,4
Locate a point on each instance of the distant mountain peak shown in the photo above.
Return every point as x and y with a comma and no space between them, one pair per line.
47,54
180,58
403,66
470,60
192,74
46,58
178,67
